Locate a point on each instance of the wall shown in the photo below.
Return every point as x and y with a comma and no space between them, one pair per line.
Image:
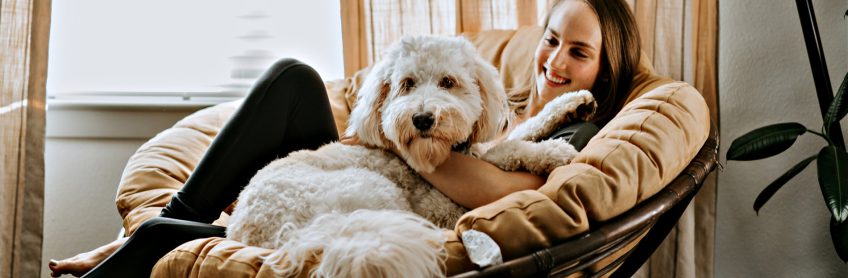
765,78
85,153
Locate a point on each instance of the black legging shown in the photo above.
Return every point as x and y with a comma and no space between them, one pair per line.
286,110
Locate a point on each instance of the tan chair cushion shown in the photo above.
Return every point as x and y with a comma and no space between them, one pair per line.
646,145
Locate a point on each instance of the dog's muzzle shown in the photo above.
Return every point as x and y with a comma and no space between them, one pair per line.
423,121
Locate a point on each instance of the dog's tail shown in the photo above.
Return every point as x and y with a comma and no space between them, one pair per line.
364,243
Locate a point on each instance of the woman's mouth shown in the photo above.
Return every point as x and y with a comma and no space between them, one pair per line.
554,79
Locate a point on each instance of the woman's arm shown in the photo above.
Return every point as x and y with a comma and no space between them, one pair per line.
472,182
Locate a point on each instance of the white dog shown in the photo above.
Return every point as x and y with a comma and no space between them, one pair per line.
345,209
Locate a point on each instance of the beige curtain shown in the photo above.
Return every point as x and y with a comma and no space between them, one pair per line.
24,29
369,26
679,36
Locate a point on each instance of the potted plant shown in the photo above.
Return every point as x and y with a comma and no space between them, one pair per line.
831,160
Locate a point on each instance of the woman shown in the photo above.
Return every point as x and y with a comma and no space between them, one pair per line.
589,44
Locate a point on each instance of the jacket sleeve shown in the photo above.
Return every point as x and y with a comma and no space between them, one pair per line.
637,153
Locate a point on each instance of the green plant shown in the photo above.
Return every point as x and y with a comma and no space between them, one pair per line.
832,164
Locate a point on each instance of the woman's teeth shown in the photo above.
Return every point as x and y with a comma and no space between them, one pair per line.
555,79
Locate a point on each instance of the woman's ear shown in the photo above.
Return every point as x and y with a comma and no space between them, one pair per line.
493,119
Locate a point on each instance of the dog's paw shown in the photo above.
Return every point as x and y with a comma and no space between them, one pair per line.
538,158
506,155
579,106
567,108
550,154
478,149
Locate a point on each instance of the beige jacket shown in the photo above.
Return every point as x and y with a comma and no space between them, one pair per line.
658,132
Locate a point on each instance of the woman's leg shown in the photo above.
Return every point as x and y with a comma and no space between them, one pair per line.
152,240
287,110
84,262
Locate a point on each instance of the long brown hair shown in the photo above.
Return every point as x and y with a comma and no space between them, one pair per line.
620,38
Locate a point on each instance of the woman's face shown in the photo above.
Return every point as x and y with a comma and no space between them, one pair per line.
569,56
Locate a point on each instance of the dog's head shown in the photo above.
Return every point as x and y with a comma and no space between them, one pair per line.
427,95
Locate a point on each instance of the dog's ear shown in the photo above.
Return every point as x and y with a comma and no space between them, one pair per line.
493,119
366,116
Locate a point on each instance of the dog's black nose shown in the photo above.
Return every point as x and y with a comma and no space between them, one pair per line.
422,121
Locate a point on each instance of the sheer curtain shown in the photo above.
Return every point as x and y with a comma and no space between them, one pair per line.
679,36
24,28
369,26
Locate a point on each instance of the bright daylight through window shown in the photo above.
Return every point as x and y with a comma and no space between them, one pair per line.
183,50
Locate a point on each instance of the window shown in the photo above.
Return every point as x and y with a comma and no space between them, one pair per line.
187,47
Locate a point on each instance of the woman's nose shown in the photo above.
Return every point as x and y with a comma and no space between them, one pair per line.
558,60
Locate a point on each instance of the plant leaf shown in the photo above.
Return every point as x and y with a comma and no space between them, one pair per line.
839,235
765,141
772,188
833,179
839,107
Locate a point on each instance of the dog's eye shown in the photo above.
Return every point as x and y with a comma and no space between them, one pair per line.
446,82
408,83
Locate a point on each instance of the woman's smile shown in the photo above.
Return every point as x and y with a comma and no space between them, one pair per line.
553,79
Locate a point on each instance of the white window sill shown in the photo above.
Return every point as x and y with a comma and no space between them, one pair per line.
172,101
122,115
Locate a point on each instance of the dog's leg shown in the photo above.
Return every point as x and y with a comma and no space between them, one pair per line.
538,158
567,108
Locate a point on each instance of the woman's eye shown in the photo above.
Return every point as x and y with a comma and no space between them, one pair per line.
579,54
446,83
551,41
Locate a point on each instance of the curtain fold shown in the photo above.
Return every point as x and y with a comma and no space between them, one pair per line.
24,29
369,26
679,36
